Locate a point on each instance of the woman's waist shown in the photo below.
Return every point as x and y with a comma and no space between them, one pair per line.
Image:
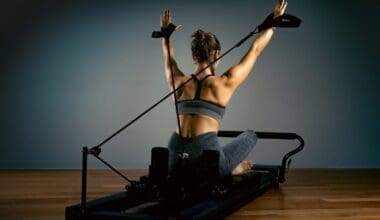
197,125
194,145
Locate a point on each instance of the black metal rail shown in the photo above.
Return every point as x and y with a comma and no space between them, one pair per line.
275,136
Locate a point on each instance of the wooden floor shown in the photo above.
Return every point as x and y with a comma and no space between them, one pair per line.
307,194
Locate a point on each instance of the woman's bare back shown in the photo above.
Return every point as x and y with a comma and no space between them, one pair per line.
211,91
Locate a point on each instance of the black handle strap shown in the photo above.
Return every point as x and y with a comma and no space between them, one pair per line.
287,21
283,21
165,32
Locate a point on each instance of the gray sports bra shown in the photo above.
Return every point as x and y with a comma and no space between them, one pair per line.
197,106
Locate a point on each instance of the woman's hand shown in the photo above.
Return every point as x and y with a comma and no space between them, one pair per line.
280,8
166,19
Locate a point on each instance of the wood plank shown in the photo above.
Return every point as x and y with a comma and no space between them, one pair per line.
307,194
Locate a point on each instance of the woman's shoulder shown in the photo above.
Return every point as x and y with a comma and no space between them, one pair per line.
183,78
215,80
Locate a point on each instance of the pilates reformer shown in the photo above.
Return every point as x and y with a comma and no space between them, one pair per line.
196,195
188,192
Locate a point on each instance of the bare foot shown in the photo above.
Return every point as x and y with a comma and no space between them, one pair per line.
242,168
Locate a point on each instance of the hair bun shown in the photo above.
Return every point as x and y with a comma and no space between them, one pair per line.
203,43
199,35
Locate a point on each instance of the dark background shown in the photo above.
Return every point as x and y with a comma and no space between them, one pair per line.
73,72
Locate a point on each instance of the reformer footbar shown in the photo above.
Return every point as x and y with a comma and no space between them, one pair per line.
160,196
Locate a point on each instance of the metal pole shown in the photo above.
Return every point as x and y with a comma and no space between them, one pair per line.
84,179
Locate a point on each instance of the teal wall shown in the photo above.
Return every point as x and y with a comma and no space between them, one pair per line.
74,72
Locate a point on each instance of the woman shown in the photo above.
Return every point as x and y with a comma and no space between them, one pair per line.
201,103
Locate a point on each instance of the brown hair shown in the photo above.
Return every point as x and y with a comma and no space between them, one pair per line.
203,44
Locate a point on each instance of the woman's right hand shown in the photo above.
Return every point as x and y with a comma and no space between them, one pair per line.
280,8
166,19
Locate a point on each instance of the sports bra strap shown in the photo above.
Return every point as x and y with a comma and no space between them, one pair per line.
199,86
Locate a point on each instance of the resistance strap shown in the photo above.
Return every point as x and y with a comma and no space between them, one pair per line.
284,20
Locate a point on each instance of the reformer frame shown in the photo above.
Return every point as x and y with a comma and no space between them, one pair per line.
234,192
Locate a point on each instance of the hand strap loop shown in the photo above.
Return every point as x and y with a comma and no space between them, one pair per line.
165,32
284,21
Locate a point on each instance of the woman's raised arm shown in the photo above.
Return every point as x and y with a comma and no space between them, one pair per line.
165,20
239,72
